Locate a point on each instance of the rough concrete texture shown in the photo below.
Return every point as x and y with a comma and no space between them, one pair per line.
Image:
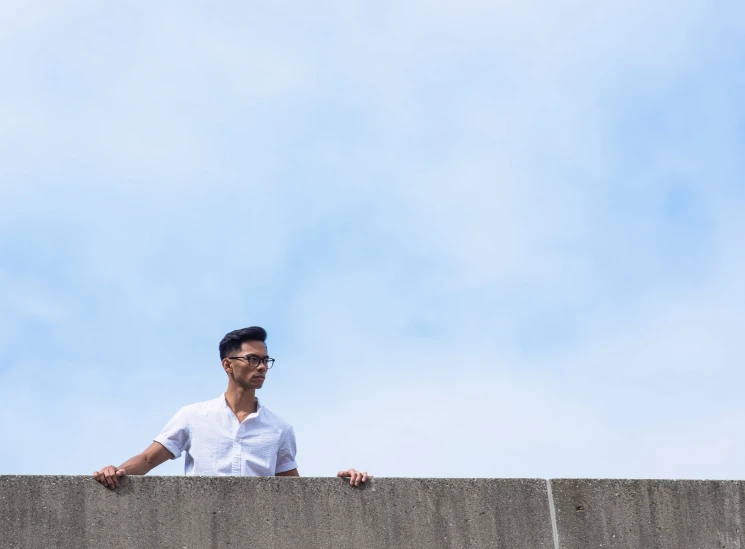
649,514
264,513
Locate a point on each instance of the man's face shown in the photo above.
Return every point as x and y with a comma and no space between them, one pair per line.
242,372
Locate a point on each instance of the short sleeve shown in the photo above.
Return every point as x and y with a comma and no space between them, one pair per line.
175,435
286,454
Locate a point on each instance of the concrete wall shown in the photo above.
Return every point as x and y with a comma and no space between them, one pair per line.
284,513
659,514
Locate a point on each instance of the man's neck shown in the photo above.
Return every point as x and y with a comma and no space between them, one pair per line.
241,401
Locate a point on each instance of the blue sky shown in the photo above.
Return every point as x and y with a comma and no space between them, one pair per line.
486,238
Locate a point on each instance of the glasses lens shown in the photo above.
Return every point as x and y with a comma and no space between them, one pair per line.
269,362
253,361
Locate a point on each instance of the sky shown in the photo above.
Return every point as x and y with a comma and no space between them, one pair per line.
486,238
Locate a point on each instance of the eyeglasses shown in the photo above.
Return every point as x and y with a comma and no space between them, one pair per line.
254,360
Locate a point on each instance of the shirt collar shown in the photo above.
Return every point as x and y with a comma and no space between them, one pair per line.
225,406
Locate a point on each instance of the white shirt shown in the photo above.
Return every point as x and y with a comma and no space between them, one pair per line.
215,443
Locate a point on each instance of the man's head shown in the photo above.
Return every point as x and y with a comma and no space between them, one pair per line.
244,357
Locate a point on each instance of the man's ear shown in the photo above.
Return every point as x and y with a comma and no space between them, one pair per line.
226,365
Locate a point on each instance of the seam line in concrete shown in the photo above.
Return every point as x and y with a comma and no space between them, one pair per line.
552,512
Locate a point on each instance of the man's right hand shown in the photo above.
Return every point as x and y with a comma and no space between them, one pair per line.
141,464
109,476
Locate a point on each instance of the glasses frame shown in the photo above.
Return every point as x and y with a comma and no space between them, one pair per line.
267,361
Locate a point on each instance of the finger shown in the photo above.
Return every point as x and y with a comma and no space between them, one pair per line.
110,477
340,474
120,472
103,475
357,478
364,476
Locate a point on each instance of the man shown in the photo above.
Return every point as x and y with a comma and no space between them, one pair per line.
231,435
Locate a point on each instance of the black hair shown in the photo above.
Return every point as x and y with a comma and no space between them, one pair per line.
232,341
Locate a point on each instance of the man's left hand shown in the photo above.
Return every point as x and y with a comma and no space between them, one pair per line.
354,476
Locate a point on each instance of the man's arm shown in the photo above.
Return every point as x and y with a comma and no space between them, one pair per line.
286,458
354,476
141,464
290,473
